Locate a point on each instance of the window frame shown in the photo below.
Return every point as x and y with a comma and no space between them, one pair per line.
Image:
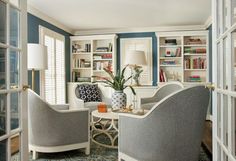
56,36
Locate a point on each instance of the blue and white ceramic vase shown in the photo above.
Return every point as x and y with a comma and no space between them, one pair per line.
118,100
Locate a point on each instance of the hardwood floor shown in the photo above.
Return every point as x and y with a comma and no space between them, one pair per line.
207,137
15,144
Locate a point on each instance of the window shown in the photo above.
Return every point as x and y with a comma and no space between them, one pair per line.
143,44
53,79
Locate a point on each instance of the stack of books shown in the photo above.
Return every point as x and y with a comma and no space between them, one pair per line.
168,62
195,78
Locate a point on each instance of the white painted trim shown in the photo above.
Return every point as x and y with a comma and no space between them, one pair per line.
208,22
141,29
50,20
53,149
125,157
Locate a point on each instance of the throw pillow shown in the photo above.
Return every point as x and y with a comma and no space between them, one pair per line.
88,92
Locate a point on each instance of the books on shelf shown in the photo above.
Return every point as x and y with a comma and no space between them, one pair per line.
103,56
170,42
195,41
173,53
194,50
102,64
195,63
168,62
76,48
81,63
76,77
194,78
162,76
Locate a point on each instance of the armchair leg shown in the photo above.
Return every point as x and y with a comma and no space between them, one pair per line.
87,150
35,155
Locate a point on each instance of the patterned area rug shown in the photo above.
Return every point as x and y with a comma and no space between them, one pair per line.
97,153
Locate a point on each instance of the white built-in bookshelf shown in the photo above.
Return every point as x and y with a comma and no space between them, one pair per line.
90,54
183,56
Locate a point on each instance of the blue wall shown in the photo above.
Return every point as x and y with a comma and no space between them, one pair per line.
33,37
154,49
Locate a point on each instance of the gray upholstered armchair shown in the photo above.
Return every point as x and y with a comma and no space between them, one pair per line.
54,129
162,92
171,131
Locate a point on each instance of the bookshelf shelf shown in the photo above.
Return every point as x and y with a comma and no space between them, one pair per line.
195,70
87,53
82,68
186,60
170,65
188,54
170,57
196,45
102,59
170,46
100,52
90,54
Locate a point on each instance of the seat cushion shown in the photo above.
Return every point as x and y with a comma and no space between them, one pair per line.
88,92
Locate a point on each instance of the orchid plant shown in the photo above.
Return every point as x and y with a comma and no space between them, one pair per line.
118,81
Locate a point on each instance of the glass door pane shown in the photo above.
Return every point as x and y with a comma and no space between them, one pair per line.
233,56
14,69
233,11
218,20
3,22
14,27
3,114
3,150
225,14
2,68
14,111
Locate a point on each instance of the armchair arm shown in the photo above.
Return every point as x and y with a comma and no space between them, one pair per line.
76,103
60,106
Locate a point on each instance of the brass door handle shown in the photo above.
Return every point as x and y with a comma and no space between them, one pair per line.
25,87
210,86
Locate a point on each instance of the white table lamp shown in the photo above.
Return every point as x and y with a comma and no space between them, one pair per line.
135,59
37,59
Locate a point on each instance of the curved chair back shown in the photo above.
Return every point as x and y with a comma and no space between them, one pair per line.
163,91
171,131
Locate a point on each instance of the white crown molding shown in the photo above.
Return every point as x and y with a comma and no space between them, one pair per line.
143,29
50,20
208,22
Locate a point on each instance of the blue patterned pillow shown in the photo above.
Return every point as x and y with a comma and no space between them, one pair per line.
88,93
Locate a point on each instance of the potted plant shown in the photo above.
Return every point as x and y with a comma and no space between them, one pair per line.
118,83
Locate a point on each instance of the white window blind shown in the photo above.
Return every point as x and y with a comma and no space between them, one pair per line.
53,79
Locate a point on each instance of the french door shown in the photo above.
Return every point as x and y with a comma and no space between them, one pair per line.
224,78
13,74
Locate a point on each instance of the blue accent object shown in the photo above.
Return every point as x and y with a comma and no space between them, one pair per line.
154,49
33,37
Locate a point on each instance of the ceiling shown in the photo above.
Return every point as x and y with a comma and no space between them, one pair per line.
113,14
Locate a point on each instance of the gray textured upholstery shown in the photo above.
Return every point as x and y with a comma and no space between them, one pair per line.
162,92
51,127
170,131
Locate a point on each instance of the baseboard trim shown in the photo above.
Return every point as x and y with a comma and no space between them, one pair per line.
125,157
52,149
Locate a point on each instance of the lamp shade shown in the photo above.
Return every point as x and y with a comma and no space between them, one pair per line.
135,57
37,57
